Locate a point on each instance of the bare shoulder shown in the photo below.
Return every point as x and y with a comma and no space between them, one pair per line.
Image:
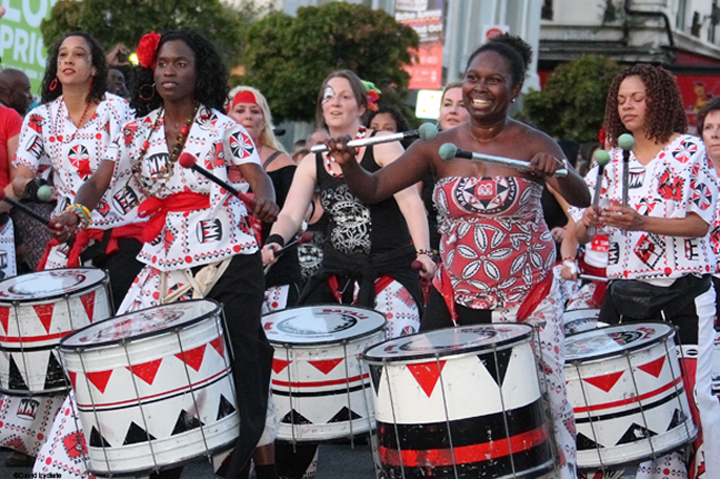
280,161
536,140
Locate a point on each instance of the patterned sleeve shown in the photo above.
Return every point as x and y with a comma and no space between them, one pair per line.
702,194
31,147
242,148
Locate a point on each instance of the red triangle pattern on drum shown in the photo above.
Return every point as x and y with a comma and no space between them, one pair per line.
326,365
73,376
654,367
426,374
279,364
88,302
100,379
193,357
219,345
606,382
146,371
4,315
44,312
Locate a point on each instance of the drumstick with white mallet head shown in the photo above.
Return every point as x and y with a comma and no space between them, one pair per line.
304,238
426,132
448,151
626,143
601,158
188,160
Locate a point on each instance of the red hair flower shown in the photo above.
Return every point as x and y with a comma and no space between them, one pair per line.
373,95
147,49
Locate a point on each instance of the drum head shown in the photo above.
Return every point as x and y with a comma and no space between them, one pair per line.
449,341
609,341
53,283
140,324
321,324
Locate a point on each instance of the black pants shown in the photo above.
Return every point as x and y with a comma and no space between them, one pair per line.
122,267
437,314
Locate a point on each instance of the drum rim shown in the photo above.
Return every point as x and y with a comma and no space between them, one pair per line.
81,347
328,341
44,299
580,310
666,335
498,346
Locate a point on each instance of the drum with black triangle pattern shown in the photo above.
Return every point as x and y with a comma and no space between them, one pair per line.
154,388
460,403
626,388
36,311
320,386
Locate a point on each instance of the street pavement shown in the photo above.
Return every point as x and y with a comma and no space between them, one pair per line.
334,462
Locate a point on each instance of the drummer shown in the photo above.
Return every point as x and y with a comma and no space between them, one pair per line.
198,242
69,133
487,275
661,257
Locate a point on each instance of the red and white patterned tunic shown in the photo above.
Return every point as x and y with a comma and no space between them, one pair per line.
678,181
201,234
495,245
49,138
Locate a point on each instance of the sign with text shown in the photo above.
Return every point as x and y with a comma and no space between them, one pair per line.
426,18
21,42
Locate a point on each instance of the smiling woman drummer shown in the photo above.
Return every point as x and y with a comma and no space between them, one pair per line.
496,249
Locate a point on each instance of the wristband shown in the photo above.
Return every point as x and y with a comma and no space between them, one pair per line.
82,213
275,238
427,252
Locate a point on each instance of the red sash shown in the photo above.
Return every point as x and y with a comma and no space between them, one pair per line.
157,209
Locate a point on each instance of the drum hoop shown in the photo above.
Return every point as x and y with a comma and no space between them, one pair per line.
111,342
44,299
498,346
328,341
587,359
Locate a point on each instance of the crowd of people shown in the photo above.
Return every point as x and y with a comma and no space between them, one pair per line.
430,242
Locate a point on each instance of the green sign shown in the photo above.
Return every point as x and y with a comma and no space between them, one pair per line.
21,42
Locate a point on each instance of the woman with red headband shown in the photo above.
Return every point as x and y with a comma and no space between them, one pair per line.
198,242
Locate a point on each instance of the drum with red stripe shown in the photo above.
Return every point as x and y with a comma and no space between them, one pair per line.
460,403
625,385
36,311
319,385
154,388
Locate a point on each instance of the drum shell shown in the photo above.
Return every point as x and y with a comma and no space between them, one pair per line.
179,376
579,320
334,401
716,365
34,327
616,399
423,404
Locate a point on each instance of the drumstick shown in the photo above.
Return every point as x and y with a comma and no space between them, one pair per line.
418,266
304,238
593,278
16,204
448,151
626,142
601,158
426,132
188,160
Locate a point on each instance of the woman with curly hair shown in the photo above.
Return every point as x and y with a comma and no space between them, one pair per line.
660,255
67,136
198,243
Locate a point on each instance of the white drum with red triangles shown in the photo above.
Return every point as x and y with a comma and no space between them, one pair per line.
625,385
319,385
579,320
461,402
36,311
154,388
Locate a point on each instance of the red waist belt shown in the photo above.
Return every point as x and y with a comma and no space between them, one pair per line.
157,209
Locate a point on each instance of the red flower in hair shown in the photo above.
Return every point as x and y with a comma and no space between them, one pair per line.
373,97
147,49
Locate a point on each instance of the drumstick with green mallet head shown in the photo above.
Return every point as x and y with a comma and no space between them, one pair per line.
601,158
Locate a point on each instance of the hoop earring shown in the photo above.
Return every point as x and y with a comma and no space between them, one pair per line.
53,84
144,95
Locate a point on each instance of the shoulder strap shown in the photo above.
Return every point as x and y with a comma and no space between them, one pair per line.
270,159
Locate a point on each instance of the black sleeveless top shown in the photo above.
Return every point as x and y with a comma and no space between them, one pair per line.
354,227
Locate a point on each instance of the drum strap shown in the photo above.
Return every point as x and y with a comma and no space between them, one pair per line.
201,284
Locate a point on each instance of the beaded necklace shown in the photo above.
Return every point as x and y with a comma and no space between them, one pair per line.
329,160
156,182
58,132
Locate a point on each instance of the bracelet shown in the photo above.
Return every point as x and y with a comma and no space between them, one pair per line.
275,238
569,258
427,252
82,213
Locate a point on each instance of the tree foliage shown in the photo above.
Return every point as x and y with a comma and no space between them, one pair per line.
126,21
572,104
287,57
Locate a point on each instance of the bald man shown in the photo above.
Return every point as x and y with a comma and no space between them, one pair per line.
15,90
